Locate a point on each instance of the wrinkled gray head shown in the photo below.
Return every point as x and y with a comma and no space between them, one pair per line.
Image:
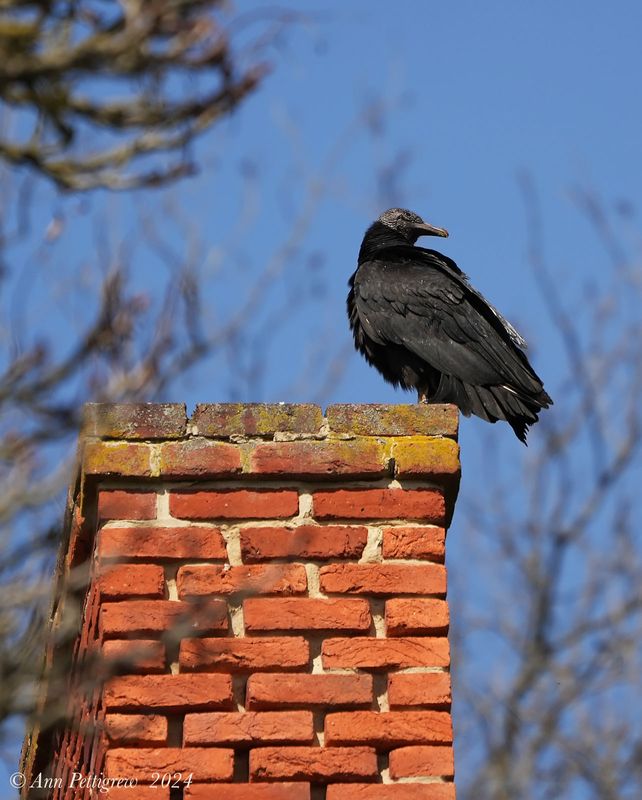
410,225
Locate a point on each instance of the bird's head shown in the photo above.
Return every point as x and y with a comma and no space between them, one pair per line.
410,225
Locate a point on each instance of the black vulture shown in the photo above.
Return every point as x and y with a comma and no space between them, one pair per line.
416,318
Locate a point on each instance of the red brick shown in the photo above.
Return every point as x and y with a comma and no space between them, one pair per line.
306,541
136,793
426,456
183,542
80,535
388,728
127,459
421,504
207,579
242,655
247,791
204,763
282,690
146,617
235,504
319,764
249,727
319,459
383,579
393,420
256,419
429,760
200,458
306,613
129,580
121,504
134,420
419,689
391,791
405,617
367,653
139,729
169,692
134,655
420,541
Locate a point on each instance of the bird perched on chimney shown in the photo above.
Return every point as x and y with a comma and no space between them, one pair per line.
416,318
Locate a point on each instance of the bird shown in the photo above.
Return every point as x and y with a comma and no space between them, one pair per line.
417,319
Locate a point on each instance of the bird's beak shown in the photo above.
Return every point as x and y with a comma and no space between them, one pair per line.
424,229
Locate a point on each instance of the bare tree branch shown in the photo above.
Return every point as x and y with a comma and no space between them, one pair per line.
560,542
62,63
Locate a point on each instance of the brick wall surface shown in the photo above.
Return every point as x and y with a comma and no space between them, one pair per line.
272,601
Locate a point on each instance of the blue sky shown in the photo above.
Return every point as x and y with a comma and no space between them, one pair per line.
451,103
473,96
467,97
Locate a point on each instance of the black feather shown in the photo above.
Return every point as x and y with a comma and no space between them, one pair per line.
416,318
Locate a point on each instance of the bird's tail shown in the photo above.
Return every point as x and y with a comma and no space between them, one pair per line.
492,403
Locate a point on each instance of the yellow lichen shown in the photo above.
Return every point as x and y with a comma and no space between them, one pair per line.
116,458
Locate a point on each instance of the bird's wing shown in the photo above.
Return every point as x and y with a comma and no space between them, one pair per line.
443,262
411,297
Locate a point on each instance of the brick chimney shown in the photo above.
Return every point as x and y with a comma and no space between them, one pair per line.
261,611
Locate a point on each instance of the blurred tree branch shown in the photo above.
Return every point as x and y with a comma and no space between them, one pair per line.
554,714
129,344
98,87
